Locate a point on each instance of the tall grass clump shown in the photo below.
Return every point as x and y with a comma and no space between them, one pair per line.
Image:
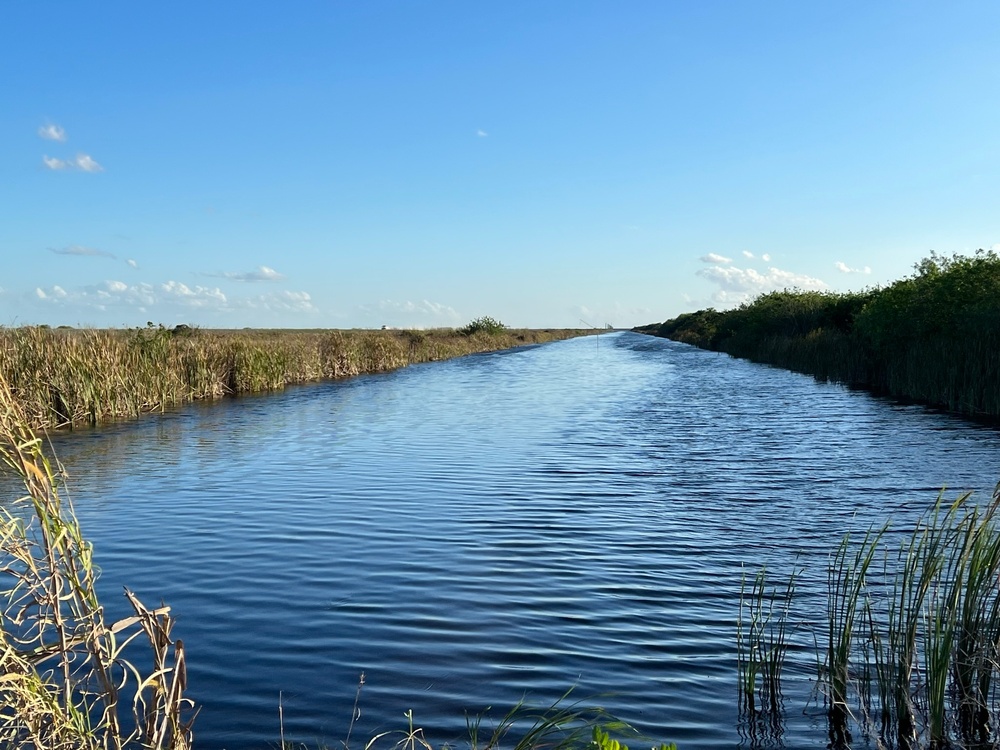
762,642
65,681
68,377
912,642
932,337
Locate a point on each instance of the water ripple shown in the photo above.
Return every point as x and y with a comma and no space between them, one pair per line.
473,532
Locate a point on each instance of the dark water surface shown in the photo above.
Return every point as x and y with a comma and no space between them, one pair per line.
509,525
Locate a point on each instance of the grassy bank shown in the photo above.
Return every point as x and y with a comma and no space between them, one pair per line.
64,377
933,337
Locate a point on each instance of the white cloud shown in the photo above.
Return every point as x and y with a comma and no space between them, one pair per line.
262,273
54,164
715,258
286,301
172,298
844,268
766,258
197,296
81,162
81,251
482,133
747,254
132,263
52,132
407,314
87,164
738,285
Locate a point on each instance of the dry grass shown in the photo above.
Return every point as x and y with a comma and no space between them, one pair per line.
68,377
64,681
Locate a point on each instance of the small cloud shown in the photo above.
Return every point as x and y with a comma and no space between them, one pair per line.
52,132
766,258
747,254
199,296
132,263
87,164
262,273
54,164
715,258
90,252
81,162
844,268
408,314
737,285
40,294
287,301
482,133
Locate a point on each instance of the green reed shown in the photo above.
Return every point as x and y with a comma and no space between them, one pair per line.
66,377
762,642
914,642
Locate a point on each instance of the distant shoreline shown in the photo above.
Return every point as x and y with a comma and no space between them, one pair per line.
932,338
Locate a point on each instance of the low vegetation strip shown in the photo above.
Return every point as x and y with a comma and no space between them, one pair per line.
66,377
933,337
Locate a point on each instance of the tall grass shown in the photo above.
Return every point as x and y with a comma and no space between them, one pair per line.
68,377
762,642
64,678
914,644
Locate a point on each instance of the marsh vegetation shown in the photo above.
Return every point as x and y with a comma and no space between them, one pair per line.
63,377
931,338
908,650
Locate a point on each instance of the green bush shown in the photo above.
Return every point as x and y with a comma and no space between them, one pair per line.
485,324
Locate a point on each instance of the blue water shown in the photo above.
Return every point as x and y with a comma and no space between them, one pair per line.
503,526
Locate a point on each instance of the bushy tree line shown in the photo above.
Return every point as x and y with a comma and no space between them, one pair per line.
932,337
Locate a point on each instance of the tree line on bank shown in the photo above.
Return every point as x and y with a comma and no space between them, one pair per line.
933,337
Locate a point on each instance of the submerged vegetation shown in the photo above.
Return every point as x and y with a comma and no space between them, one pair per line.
933,337
62,377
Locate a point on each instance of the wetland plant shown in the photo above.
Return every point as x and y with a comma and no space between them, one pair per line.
762,642
65,377
64,678
914,643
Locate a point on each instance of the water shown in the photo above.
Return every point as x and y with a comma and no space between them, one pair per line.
504,526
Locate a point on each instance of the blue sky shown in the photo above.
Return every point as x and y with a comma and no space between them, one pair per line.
357,164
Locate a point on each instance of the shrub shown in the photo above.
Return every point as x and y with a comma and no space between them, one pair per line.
485,324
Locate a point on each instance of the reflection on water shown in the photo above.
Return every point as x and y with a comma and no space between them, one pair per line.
472,532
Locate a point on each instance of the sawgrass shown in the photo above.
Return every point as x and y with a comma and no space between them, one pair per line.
66,377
